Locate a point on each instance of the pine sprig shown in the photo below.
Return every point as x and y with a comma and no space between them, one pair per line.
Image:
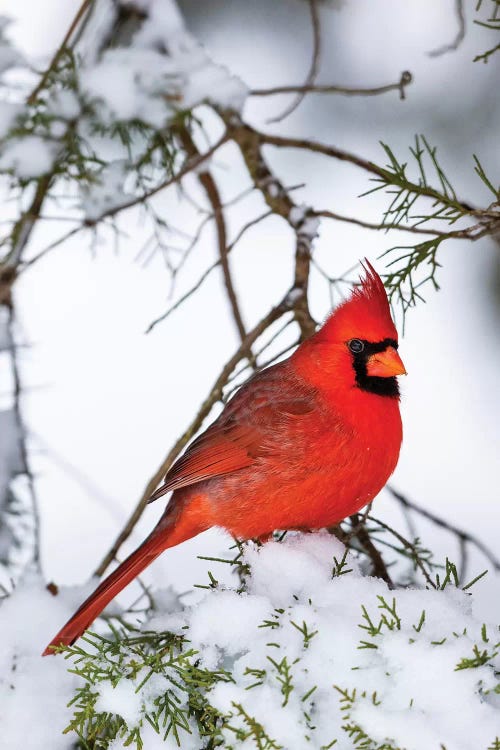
429,181
181,683
490,21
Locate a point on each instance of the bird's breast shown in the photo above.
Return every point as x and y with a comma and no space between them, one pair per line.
311,473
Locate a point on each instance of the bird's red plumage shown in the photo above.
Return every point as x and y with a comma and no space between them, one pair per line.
300,445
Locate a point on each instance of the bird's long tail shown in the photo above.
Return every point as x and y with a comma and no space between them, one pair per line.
171,530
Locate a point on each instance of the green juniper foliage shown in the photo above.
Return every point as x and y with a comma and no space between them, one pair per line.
410,186
488,18
174,688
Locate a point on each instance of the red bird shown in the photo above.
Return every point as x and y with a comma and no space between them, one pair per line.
301,445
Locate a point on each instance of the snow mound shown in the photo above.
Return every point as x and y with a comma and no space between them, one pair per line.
319,656
34,692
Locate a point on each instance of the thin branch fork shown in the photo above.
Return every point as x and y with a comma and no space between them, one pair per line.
84,7
472,233
209,185
315,62
207,272
280,203
366,165
405,80
189,166
408,546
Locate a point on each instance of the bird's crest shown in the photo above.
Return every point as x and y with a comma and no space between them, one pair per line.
366,313
371,286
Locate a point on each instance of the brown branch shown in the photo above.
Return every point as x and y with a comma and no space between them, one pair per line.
206,273
19,238
313,70
319,148
460,35
359,531
213,195
280,203
405,80
60,51
407,545
368,166
212,192
214,395
473,233
189,166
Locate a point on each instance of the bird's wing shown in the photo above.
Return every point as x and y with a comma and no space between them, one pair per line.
239,436
219,450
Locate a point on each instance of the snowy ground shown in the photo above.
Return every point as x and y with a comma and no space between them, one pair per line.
311,646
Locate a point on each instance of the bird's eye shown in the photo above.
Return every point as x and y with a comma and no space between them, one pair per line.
356,346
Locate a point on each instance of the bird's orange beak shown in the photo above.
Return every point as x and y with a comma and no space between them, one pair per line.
385,364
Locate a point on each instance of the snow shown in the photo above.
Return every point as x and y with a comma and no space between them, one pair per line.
28,157
9,56
107,192
11,465
203,79
131,85
297,644
163,70
122,699
421,701
310,227
33,691
64,104
306,226
297,215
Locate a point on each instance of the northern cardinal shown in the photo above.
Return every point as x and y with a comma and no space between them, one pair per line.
301,445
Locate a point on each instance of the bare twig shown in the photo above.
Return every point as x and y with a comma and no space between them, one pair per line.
454,45
473,232
359,531
19,238
84,7
405,80
408,546
263,348
244,229
210,186
367,166
189,166
315,60
183,298
206,273
279,201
